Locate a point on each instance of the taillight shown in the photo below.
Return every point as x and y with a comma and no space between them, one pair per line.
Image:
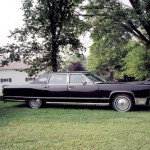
3,88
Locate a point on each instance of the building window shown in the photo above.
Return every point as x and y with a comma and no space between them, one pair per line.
29,79
5,80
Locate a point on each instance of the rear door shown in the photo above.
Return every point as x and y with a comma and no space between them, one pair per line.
56,88
81,89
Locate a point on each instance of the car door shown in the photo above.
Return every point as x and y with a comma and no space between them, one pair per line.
81,89
56,88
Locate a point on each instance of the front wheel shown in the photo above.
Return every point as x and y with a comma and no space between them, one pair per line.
122,103
34,103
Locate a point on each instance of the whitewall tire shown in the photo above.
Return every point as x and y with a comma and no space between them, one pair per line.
122,103
35,103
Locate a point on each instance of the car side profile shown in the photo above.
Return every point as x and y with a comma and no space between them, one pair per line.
78,87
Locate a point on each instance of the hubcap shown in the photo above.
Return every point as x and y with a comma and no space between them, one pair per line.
122,103
35,103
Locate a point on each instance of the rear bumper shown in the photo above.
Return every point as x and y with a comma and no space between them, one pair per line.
1,98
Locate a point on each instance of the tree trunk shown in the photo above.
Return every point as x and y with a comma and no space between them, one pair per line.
147,61
54,57
54,50
53,33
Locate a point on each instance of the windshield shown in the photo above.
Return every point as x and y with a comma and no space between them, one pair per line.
94,78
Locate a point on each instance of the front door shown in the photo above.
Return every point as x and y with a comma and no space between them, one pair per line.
81,89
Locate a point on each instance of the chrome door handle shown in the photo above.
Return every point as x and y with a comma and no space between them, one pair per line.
71,86
46,86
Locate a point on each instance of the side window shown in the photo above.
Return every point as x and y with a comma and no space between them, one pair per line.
77,79
42,79
58,79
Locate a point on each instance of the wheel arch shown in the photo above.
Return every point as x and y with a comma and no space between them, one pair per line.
114,93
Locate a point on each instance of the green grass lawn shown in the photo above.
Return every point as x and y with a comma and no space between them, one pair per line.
73,128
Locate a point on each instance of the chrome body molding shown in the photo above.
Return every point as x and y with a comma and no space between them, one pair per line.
88,98
13,100
27,97
76,103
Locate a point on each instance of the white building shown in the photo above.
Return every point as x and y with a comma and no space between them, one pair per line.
9,75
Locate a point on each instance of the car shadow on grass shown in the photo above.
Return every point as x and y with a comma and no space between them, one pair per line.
72,106
66,106
142,108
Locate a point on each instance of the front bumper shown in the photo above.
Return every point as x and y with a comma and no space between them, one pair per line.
142,101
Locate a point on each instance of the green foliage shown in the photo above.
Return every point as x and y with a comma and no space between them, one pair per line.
50,26
113,25
116,15
106,55
127,60
135,61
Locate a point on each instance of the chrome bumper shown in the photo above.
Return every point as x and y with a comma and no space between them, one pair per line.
142,101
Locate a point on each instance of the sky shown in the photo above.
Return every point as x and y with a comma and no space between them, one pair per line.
11,18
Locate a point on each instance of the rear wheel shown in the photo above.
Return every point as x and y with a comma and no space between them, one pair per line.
122,103
35,103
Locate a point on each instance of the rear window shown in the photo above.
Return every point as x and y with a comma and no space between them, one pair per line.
42,78
58,79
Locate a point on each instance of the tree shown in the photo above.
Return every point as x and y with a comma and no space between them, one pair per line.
105,60
134,20
134,62
2,57
111,15
49,27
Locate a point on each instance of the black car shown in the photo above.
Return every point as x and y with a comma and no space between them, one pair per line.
78,87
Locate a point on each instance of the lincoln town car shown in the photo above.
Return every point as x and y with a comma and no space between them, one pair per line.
79,87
